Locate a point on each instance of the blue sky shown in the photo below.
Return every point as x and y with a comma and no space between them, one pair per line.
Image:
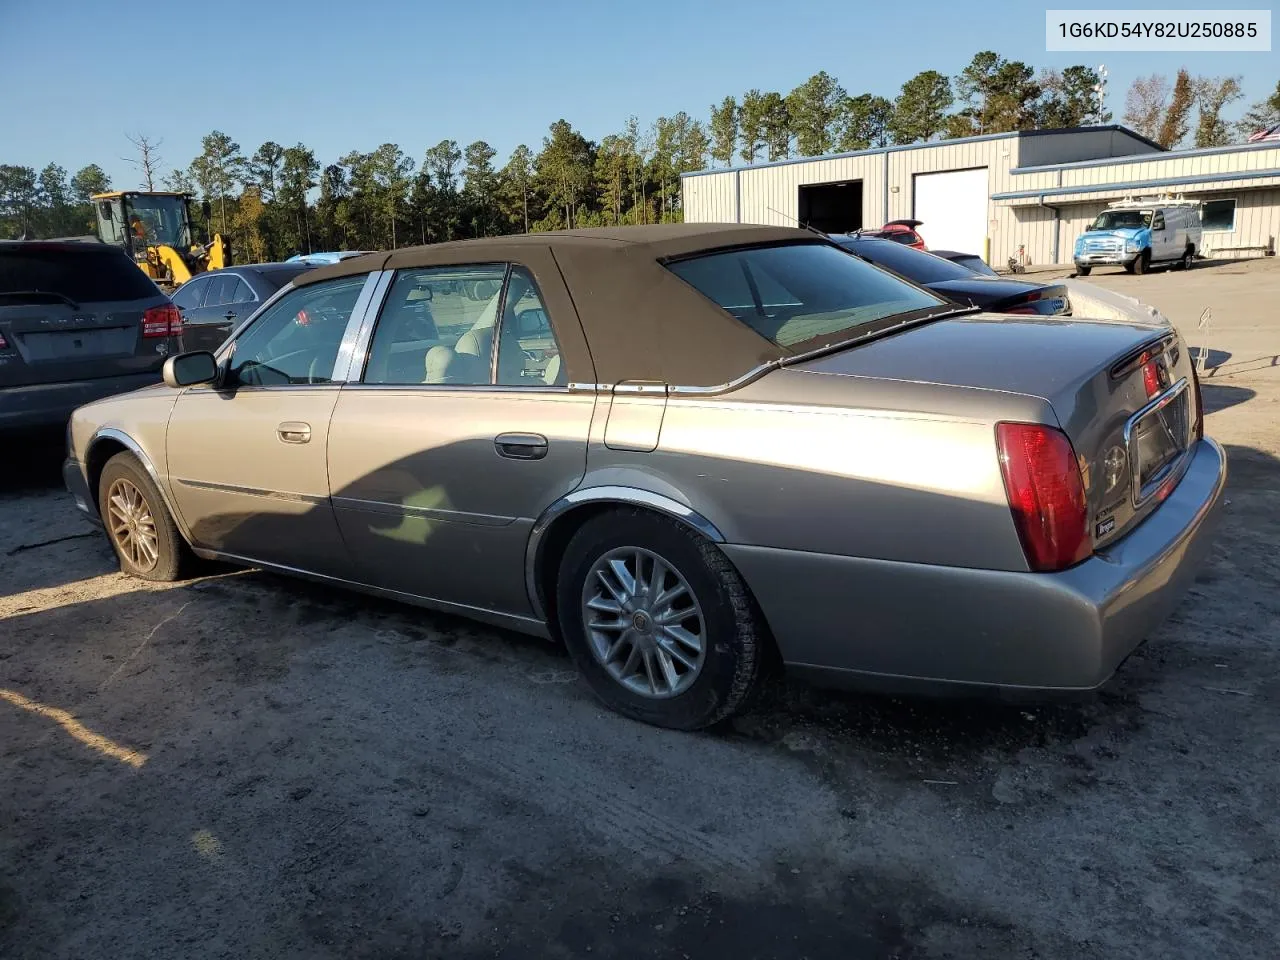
416,73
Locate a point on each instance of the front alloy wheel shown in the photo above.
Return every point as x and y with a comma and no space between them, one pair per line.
131,526
643,622
138,524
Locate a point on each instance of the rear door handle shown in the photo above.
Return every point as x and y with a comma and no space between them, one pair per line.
294,431
521,446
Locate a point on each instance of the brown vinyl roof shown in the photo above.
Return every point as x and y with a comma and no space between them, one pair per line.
641,321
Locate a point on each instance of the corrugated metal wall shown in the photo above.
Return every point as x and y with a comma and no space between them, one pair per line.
770,194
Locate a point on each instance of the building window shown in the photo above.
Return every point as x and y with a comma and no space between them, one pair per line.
1218,215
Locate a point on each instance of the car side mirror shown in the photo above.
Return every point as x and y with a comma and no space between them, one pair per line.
188,369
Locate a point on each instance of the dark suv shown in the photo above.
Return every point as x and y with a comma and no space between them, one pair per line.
78,321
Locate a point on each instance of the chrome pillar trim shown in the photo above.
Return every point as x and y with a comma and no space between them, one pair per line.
355,339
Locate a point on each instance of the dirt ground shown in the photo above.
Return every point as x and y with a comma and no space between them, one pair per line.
244,766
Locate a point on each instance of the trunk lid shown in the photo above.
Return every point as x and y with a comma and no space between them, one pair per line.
1102,379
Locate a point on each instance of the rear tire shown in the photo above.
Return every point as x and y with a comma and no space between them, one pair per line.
138,524
639,654
1142,262
1083,271
1188,258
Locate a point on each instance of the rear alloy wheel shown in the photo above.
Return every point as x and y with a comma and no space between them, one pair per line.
658,621
137,522
1188,259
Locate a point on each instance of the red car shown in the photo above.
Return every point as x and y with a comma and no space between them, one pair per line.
899,231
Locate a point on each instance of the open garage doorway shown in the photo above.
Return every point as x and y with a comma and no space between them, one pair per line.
832,207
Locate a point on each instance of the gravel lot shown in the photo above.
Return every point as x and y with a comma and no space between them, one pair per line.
244,766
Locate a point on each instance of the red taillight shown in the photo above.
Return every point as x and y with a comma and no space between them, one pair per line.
163,321
1150,374
1046,494
3,342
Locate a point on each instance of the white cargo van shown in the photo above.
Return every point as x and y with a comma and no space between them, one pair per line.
1136,233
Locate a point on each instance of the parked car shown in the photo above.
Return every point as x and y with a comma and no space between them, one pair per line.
78,321
738,444
970,261
960,284
899,231
214,302
1136,234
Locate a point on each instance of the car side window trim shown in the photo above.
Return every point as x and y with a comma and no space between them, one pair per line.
225,353
363,342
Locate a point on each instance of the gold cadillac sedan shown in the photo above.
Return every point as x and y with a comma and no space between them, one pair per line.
689,452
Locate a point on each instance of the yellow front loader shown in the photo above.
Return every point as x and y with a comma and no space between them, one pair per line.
155,229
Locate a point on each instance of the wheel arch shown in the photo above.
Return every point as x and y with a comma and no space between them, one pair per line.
105,444
557,524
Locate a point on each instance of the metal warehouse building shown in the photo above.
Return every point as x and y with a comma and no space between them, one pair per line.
1035,190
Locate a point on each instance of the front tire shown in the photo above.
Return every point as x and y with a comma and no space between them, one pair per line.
1083,271
1142,262
658,621
141,531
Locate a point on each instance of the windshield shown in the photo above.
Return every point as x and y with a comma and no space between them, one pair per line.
159,221
1116,219
801,292
907,262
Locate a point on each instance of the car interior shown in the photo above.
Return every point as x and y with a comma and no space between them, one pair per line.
438,328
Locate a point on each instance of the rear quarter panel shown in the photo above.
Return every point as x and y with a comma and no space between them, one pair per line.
849,466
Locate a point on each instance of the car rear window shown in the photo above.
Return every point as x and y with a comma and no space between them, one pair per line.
796,293
907,262
85,276
279,276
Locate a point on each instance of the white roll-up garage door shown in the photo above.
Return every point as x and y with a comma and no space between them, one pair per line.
953,208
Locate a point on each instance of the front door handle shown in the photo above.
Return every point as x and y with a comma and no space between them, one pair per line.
229,315
521,446
294,431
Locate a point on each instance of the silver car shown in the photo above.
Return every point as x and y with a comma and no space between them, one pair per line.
690,452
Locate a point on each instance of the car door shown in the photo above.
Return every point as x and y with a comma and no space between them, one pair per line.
246,456
228,300
461,430
1162,245
189,299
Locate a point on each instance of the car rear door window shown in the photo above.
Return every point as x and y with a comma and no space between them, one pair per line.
437,326
296,340
94,274
222,290
190,295
801,294
528,351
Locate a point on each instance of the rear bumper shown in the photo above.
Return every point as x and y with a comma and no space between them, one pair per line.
51,404
901,625
78,486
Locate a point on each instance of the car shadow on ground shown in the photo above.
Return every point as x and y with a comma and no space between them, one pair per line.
1220,396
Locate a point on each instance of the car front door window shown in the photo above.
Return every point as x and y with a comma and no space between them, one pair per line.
296,340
